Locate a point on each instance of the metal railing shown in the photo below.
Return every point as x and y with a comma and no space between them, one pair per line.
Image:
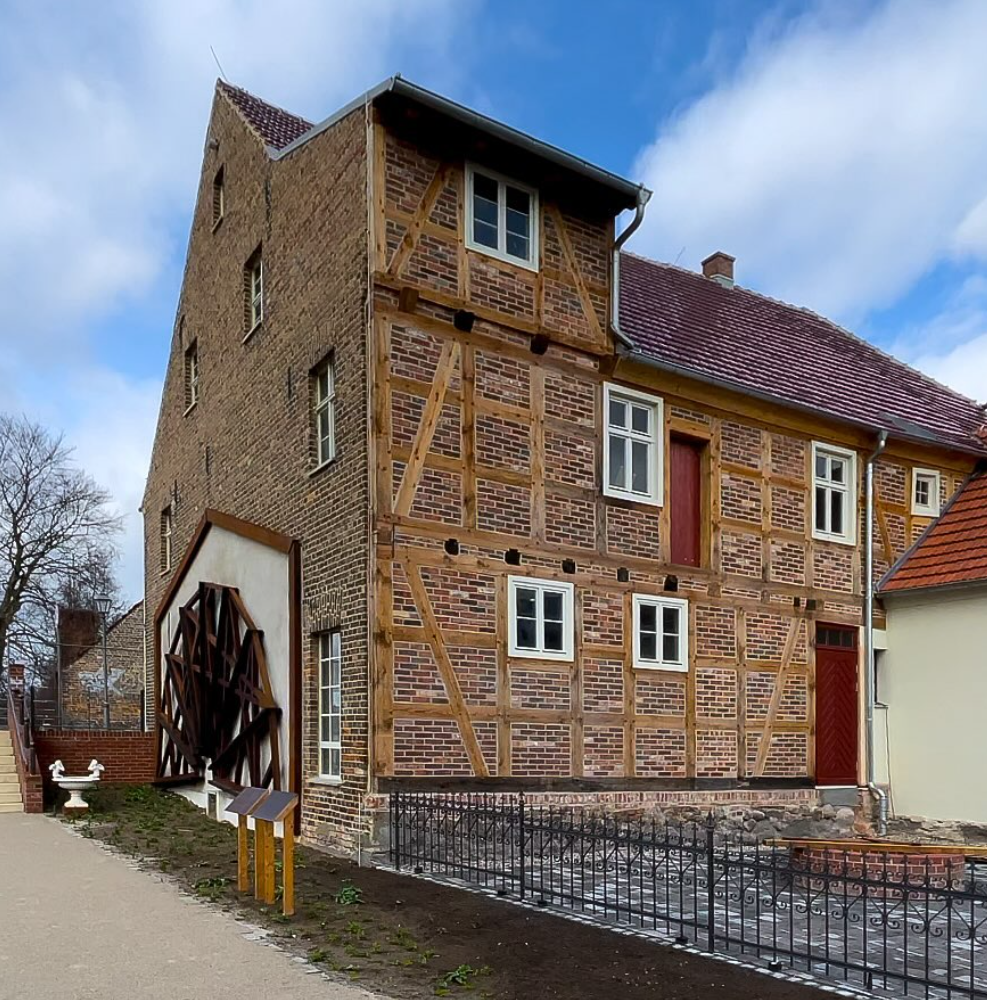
21,720
878,920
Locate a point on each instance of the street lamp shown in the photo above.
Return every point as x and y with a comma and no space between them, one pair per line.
103,604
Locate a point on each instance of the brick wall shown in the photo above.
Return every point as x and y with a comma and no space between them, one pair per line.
127,757
247,447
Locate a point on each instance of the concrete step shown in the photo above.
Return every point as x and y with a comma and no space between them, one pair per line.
8,778
11,807
8,795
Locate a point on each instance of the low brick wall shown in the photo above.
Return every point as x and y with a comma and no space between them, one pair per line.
127,756
879,872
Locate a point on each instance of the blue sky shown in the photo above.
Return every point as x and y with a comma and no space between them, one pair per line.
837,149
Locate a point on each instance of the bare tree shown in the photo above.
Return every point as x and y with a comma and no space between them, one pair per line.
57,536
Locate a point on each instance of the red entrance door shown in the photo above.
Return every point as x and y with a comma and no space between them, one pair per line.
836,705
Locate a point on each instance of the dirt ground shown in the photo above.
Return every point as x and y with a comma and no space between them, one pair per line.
408,937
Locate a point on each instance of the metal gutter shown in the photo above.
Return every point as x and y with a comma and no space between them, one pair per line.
404,88
636,354
643,197
870,660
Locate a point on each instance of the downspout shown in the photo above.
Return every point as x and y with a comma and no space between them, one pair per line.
876,792
643,197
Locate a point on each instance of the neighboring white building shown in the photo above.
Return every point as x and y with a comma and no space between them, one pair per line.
933,676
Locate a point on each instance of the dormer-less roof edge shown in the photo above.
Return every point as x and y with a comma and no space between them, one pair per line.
512,136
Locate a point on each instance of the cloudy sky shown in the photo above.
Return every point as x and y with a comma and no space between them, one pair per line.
837,149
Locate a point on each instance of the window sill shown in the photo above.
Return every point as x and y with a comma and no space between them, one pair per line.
662,668
630,500
919,512
328,463
834,539
515,654
325,781
252,331
190,408
502,258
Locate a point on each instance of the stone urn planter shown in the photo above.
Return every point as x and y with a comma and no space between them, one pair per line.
76,785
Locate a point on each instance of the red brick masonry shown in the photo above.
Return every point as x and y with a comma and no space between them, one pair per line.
878,871
127,756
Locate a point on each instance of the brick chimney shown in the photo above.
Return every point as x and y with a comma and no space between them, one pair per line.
719,267
78,630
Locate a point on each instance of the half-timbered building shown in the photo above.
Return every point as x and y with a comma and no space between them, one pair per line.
523,510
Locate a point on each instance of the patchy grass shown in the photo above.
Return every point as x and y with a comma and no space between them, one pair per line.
407,937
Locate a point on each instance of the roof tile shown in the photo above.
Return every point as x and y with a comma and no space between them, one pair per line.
760,345
277,127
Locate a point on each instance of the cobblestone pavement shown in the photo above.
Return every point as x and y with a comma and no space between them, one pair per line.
914,941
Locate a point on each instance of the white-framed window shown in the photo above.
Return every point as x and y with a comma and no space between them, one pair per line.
167,533
633,452
541,618
324,412
661,632
501,217
253,291
330,705
191,375
925,492
834,493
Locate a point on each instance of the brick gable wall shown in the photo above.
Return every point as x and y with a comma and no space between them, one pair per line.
247,448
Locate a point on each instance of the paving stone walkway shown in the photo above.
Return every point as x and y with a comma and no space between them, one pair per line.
81,924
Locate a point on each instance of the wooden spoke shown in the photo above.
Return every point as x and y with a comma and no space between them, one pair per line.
216,701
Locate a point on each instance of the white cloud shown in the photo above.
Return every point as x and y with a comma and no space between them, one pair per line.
952,346
841,160
103,114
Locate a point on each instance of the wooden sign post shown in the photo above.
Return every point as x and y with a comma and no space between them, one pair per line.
277,807
242,807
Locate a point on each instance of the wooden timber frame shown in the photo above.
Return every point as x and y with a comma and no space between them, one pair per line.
771,690
180,763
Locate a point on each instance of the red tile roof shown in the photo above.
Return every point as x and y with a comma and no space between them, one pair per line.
953,550
759,345
277,127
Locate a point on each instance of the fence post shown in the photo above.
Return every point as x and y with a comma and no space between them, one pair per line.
522,836
710,873
395,835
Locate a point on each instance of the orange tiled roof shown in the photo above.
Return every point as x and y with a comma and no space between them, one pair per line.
953,550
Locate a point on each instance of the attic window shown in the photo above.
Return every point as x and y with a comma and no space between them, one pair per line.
502,218
925,492
218,197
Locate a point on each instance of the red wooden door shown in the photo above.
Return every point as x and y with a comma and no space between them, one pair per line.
685,501
836,706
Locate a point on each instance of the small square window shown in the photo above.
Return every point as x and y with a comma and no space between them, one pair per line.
633,453
191,375
502,218
218,197
925,492
324,412
253,292
834,499
661,632
541,618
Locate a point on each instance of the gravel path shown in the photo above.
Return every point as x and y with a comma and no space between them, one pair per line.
79,923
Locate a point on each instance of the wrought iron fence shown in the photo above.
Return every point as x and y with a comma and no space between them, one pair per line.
879,920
